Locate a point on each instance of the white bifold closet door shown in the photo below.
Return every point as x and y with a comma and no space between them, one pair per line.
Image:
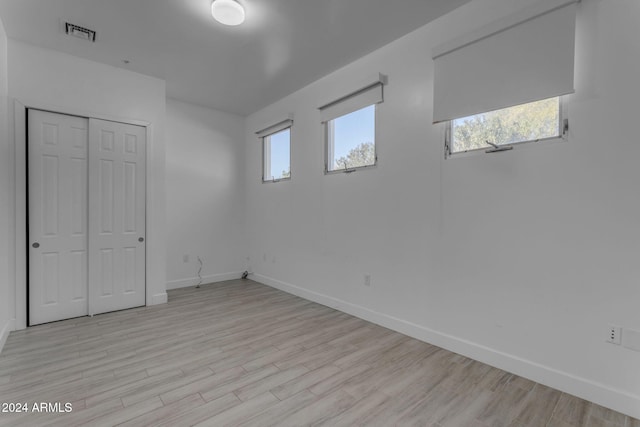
86,216
116,216
58,241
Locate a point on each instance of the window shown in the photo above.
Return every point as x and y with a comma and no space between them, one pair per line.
351,140
533,121
350,128
484,81
277,156
276,152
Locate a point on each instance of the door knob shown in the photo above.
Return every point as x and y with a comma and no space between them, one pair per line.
36,245
141,239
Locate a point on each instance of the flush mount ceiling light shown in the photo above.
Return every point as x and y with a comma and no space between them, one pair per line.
227,12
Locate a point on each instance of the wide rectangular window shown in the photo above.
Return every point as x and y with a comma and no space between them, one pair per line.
350,129
533,121
276,152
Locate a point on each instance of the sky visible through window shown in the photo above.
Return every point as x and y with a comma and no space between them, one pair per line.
352,130
280,154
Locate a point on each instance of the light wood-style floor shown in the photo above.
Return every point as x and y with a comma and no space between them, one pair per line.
242,354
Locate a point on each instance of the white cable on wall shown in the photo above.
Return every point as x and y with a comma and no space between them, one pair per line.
199,273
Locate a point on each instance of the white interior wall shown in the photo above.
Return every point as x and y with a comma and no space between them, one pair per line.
49,79
519,259
5,291
205,193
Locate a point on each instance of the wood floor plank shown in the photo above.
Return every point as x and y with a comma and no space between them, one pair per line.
358,412
539,406
424,407
272,416
572,410
121,415
195,362
303,382
333,382
633,422
427,393
265,384
242,412
201,385
608,415
157,389
202,412
87,388
503,410
238,383
465,408
240,353
86,416
175,409
238,358
271,358
134,387
371,352
319,410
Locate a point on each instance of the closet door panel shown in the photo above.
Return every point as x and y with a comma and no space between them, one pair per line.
117,191
57,177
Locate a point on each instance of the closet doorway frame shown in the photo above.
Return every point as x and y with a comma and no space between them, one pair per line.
21,184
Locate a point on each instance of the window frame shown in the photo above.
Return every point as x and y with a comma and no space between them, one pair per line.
329,143
266,135
563,134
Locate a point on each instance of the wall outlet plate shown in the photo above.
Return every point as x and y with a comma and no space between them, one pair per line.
614,334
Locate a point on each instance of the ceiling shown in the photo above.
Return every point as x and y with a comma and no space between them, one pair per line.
283,46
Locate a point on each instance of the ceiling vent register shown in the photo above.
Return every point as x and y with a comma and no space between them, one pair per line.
80,32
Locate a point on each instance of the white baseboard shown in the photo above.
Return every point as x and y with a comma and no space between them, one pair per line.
161,298
601,394
4,332
213,278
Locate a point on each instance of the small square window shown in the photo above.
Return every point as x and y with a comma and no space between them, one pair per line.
350,140
530,122
276,149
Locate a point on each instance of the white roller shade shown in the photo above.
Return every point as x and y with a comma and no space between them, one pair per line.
525,57
372,94
285,124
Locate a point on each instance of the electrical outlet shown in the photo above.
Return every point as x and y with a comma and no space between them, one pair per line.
367,280
614,334
185,258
